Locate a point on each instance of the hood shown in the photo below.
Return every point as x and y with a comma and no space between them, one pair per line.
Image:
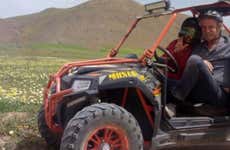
99,70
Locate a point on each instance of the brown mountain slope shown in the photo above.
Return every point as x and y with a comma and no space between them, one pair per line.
95,24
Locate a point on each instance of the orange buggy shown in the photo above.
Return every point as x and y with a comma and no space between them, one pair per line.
120,103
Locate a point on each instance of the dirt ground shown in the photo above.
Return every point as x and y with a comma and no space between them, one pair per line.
18,134
37,143
29,139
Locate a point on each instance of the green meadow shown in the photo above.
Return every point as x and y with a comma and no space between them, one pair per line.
22,80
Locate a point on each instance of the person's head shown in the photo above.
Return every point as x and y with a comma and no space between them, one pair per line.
211,25
190,31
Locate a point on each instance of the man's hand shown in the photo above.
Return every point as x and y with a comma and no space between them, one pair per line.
227,90
180,45
113,53
209,65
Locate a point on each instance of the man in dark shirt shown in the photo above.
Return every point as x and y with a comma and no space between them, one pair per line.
203,77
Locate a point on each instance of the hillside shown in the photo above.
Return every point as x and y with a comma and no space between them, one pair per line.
94,25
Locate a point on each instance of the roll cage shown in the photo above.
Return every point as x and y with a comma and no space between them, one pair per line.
223,6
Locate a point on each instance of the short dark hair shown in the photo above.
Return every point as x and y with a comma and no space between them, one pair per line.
191,22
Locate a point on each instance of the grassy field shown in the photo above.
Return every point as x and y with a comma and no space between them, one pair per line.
21,89
59,51
24,73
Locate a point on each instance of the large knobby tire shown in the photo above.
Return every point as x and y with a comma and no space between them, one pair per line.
53,140
100,127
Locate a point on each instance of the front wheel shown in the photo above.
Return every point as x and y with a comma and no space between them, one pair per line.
52,139
102,127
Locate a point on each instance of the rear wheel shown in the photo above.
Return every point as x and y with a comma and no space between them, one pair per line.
52,139
102,127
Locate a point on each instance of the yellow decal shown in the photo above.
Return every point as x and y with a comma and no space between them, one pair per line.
126,74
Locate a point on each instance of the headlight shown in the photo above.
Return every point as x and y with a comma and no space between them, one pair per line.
81,85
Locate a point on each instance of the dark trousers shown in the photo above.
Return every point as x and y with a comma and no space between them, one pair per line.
198,85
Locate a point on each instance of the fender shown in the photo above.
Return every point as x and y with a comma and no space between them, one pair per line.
76,101
128,83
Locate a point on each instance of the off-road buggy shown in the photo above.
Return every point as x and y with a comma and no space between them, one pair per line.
120,103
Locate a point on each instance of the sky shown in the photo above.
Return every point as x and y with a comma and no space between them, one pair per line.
11,8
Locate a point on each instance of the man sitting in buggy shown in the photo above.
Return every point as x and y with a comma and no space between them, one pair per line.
206,75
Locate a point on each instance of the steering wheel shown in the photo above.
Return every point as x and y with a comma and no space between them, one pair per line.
159,60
